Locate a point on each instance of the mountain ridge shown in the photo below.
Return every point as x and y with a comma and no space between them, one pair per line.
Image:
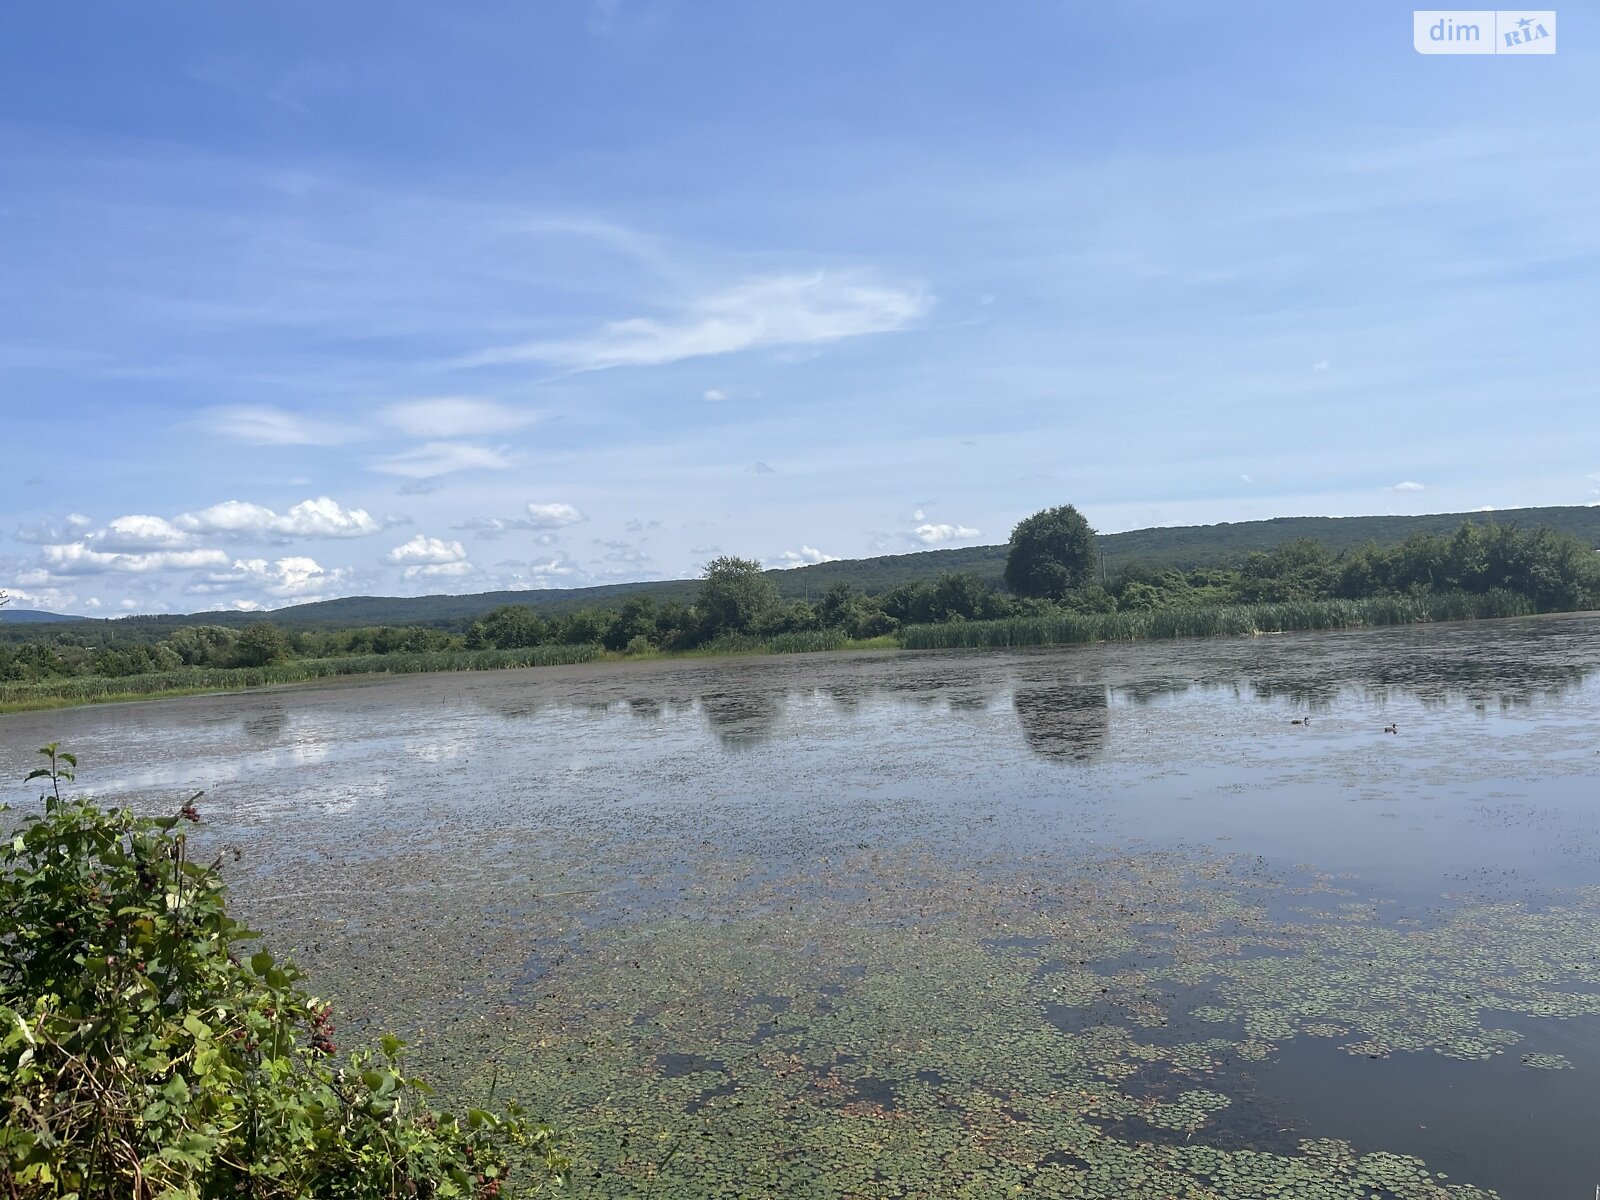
1174,545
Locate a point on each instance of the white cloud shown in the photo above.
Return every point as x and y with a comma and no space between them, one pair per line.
1248,478
137,534
319,518
79,558
1322,365
49,598
782,310
432,459
554,515
932,535
444,570
803,557
425,549
293,577
68,529
714,394
538,574
264,425
543,517
1407,485
432,558
454,416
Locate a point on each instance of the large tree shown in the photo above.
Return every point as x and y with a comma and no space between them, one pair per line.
736,594
1052,552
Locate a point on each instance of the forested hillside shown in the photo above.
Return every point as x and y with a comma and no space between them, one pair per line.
1176,546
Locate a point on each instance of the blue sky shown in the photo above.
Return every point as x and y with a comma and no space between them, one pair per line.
301,300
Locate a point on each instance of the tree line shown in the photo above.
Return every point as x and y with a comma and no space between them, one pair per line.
1052,567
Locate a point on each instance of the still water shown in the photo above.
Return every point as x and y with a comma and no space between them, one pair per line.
1166,919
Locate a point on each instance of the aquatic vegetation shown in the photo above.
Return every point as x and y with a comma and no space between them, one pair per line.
1547,1062
1238,620
912,1023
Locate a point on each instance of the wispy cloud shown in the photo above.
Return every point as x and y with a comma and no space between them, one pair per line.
264,425
781,310
1408,485
540,517
432,459
455,416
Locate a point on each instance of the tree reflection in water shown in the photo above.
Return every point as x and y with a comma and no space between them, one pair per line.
1064,722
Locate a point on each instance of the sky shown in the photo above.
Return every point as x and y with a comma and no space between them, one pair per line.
301,300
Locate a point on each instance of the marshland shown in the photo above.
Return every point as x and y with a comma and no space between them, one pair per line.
1098,921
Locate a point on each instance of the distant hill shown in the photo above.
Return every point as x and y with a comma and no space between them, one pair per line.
31,615
1179,545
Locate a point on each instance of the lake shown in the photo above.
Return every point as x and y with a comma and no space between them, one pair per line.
1094,921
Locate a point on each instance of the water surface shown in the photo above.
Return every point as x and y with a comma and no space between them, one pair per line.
1089,921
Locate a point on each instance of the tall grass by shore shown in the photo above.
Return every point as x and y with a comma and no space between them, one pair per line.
1240,620
1237,620
88,689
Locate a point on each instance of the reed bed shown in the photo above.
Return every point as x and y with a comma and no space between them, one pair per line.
302,670
1238,620
808,641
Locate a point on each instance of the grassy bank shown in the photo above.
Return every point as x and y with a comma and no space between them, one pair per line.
1240,620
96,689
1237,620
190,681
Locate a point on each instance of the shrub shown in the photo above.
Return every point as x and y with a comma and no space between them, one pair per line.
141,1058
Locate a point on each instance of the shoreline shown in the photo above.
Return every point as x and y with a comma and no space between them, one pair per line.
887,644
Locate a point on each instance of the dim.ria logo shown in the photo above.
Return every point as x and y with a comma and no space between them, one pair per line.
1484,31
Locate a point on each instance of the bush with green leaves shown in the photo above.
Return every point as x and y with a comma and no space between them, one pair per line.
142,1057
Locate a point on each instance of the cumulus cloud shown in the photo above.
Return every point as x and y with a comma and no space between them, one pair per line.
425,549
431,558
138,533
932,535
803,557
454,417
319,518
1407,485
554,516
264,425
293,577
432,459
781,310
81,558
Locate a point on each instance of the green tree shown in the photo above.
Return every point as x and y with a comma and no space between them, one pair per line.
260,644
509,627
735,596
1051,553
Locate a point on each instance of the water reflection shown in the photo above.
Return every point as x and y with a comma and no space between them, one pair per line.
742,719
267,726
1065,722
